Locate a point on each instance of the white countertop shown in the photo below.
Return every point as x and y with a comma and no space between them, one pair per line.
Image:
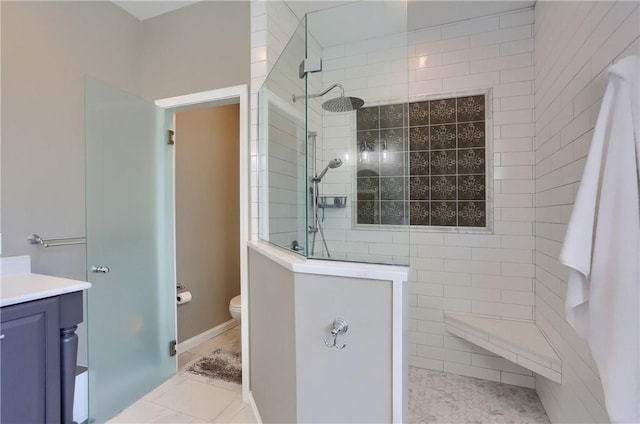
26,287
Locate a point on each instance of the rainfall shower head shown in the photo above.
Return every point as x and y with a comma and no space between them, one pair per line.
343,104
338,104
333,163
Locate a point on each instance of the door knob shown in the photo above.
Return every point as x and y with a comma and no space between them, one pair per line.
100,269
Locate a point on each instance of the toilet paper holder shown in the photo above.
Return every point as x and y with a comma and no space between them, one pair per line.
183,297
340,326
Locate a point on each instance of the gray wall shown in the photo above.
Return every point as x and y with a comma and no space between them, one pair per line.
47,49
347,385
199,47
207,215
273,350
294,376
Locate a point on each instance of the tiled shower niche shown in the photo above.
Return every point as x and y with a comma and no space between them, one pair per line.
423,163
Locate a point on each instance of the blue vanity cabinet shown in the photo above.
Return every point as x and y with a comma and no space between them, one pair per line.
38,345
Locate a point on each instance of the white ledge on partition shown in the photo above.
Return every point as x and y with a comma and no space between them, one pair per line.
299,264
518,341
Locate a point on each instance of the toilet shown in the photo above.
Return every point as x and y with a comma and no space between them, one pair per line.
235,308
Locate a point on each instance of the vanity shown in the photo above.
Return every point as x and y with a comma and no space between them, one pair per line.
38,346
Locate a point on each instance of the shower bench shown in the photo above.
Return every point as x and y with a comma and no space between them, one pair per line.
520,342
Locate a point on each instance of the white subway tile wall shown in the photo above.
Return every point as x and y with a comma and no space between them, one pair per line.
283,217
259,50
283,209
489,274
575,43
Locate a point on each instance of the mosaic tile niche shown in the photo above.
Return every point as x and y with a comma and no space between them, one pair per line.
423,163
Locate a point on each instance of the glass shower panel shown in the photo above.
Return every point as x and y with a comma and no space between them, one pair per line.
282,150
129,201
363,204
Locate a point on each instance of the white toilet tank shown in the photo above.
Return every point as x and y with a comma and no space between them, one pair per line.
235,307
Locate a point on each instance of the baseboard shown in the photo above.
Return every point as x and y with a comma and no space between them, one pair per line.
206,335
254,407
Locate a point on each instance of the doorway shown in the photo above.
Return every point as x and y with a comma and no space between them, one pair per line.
217,98
207,221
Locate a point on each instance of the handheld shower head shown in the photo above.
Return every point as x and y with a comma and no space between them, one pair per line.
333,163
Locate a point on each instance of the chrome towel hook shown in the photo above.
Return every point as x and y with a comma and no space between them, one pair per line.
340,326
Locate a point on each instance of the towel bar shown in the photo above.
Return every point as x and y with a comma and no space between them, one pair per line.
52,242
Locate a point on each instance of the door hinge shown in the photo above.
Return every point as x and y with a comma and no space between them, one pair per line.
171,139
308,65
172,348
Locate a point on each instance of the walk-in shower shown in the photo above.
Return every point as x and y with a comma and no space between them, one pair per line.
317,167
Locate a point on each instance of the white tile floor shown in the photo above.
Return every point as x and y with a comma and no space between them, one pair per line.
434,397
190,398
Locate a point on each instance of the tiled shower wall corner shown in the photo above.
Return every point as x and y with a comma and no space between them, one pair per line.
489,274
282,53
575,43
284,158
260,66
272,25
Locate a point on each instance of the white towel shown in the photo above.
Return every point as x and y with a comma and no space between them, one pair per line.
602,246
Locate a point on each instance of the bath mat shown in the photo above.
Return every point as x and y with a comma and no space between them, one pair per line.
219,365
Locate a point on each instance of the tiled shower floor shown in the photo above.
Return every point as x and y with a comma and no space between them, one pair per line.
434,397
442,398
